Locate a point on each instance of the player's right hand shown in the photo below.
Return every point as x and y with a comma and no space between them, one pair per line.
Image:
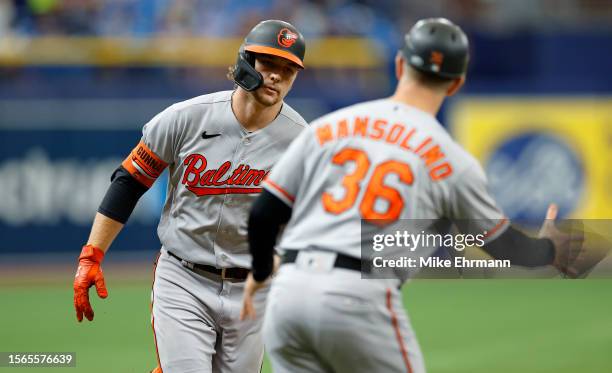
88,273
568,246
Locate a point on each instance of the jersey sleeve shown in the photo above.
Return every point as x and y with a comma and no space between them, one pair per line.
286,176
155,150
472,208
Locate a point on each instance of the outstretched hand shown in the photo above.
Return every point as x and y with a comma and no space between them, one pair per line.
568,246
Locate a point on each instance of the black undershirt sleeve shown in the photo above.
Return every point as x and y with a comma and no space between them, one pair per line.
121,196
521,249
267,216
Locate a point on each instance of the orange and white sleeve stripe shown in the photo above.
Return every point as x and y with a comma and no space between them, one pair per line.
497,229
144,165
279,192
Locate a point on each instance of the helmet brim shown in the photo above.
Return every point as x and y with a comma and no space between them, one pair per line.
275,52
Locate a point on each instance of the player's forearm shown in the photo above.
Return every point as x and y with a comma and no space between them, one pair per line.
103,232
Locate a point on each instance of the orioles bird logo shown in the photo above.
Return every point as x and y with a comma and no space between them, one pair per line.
436,58
286,38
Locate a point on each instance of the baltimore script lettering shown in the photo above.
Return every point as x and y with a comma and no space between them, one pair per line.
242,180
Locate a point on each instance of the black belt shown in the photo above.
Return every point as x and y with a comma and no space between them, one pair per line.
342,261
235,273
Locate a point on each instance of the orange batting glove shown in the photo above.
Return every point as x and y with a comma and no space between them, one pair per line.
88,274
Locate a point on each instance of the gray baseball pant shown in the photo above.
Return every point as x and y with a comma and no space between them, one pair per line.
196,325
330,320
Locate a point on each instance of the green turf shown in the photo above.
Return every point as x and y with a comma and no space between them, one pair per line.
463,326
513,326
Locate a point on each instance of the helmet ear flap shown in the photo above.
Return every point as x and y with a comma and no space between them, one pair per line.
248,56
245,74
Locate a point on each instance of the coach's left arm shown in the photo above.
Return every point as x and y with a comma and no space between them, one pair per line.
267,216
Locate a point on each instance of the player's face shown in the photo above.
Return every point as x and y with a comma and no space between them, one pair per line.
278,74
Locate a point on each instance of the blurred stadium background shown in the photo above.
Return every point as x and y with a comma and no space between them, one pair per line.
79,78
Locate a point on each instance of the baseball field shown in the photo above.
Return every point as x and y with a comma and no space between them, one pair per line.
463,325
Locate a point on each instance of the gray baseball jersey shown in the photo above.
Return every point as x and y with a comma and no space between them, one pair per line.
379,160
215,172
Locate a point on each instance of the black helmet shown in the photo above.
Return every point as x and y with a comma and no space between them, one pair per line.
273,37
438,47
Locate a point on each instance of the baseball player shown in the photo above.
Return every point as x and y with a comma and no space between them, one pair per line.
372,163
218,148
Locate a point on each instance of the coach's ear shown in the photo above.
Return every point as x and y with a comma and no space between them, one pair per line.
455,85
399,65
